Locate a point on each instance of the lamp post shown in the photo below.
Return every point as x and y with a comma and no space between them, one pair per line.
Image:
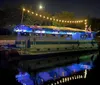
23,10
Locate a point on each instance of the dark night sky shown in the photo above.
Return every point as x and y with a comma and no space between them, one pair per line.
80,8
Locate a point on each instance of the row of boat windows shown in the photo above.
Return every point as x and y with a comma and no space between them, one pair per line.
39,42
82,36
48,35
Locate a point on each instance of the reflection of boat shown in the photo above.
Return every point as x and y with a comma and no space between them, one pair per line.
50,38
57,75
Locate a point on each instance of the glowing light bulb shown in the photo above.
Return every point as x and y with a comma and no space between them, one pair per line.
47,17
36,14
24,9
43,16
67,21
57,20
28,11
32,12
54,19
50,18
86,20
40,15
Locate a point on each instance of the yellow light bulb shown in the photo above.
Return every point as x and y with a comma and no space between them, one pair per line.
32,12
77,21
54,19
47,17
62,20
85,20
36,14
67,21
85,23
70,21
40,15
86,26
43,16
24,9
57,20
50,18
28,11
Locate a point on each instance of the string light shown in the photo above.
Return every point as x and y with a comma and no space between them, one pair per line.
28,11
85,20
50,18
24,9
77,21
62,20
47,17
40,15
36,14
43,16
32,12
54,19
70,22
67,21
85,23
57,20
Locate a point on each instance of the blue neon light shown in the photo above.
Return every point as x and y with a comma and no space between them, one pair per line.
75,35
22,28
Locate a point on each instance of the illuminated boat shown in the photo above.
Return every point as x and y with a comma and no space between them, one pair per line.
51,67
54,39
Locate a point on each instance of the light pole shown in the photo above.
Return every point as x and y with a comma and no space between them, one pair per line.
23,10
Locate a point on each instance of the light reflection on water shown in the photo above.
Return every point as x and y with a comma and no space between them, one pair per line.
41,77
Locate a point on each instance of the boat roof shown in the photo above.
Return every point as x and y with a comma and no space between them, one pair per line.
59,28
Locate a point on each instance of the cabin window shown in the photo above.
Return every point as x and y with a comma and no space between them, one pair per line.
53,35
69,36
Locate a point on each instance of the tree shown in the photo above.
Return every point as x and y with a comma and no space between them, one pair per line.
12,16
66,16
30,19
2,18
